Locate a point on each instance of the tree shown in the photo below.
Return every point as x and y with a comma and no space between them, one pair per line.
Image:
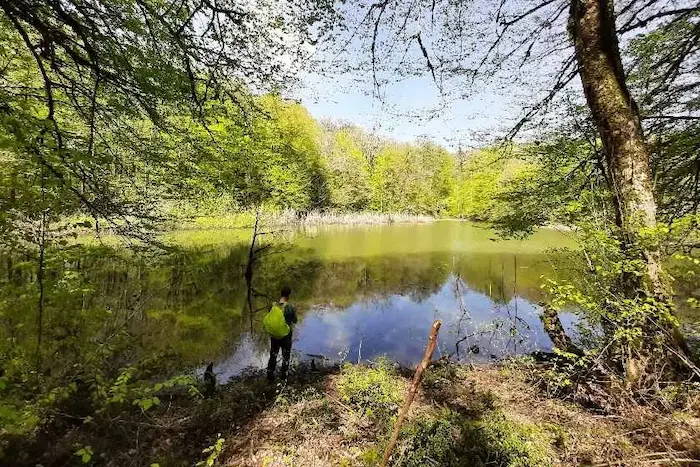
592,24
458,45
87,81
348,171
483,176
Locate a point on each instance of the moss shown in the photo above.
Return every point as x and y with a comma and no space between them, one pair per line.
451,439
373,391
495,440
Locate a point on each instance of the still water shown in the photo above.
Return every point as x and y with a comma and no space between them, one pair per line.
366,291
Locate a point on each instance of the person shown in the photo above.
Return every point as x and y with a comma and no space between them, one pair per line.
279,323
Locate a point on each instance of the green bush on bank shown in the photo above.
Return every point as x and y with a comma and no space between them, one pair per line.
372,391
453,440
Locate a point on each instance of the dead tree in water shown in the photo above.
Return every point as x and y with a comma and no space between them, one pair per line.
254,255
250,265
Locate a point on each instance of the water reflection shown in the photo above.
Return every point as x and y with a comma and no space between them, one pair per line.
360,292
362,307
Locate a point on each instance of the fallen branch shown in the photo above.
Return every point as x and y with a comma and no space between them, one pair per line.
417,378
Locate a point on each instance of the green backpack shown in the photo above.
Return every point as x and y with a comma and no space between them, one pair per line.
274,322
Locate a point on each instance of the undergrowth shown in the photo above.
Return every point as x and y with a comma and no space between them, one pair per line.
453,439
375,391
463,427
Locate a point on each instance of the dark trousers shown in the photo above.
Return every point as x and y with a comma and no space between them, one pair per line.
275,345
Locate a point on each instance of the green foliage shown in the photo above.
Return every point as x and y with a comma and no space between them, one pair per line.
673,141
348,172
567,367
98,131
414,179
622,319
139,393
520,188
432,439
601,293
495,440
439,375
480,178
85,454
373,391
371,457
213,452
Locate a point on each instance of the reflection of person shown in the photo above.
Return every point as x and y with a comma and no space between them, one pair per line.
209,380
278,323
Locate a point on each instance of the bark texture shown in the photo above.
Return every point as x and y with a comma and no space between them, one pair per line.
555,330
592,25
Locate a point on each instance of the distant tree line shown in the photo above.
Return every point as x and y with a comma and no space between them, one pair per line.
274,153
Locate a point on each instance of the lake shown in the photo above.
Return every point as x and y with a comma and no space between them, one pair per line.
362,292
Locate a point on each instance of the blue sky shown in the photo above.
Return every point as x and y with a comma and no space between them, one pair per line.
448,42
349,98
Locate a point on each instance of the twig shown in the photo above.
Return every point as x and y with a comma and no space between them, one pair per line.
417,378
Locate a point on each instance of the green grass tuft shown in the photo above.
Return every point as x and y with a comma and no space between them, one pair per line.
496,441
373,391
452,440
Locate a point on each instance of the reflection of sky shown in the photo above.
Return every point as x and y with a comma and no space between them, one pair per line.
397,326
246,354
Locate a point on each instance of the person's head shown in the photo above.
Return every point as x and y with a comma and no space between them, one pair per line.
286,292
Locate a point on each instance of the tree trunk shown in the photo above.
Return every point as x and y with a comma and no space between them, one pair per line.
592,25
250,267
555,330
40,283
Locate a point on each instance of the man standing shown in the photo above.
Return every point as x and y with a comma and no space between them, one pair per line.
278,322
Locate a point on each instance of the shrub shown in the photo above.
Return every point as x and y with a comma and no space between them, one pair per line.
452,440
432,441
439,375
497,441
373,391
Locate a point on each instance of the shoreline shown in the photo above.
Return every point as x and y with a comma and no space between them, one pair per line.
246,220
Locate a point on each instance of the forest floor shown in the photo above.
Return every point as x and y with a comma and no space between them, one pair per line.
490,415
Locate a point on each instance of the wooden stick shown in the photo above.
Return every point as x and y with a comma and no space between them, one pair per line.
417,378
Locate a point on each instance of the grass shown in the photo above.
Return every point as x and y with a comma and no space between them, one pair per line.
374,391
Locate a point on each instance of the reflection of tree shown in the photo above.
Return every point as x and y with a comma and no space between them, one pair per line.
494,274
190,302
343,283
464,319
